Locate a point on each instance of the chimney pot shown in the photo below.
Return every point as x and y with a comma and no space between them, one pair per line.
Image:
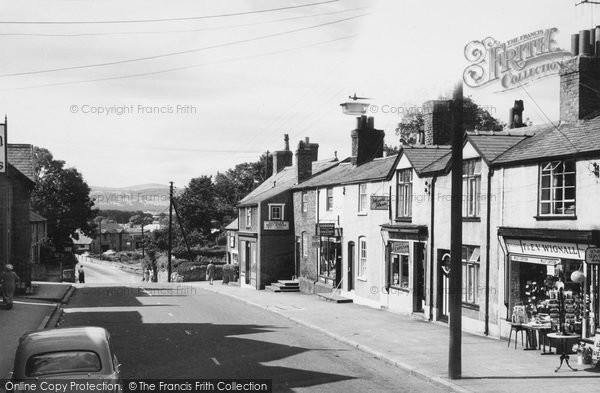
371,123
584,43
575,44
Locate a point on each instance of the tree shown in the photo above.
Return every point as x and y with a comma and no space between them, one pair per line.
197,206
141,218
474,118
63,198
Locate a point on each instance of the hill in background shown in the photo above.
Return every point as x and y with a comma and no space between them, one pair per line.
153,198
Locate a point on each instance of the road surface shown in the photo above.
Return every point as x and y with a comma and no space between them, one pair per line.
102,272
177,331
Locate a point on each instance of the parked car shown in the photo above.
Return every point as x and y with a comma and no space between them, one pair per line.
68,275
69,354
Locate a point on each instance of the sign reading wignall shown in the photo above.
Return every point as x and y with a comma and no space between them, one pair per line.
3,155
546,249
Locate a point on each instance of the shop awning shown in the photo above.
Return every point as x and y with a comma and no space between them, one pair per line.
405,231
591,237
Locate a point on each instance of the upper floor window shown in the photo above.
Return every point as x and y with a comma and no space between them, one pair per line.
471,187
304,201
248,217
276,212
362,197
329,204
362,257
232,241
404,193
557,188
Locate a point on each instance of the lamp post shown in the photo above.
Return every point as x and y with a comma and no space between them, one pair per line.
355,107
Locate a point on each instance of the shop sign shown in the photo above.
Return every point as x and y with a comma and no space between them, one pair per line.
277,225
592,255
400,247
380,202
546,249
326,229
3,163
537,260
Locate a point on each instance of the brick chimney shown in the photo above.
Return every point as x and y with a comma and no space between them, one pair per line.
304,158
515,115
580,78
282,158
367,142
438,120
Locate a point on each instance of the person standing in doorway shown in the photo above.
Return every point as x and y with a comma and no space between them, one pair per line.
81,274
8,279
210,271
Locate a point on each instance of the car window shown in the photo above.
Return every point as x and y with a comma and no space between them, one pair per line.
62,362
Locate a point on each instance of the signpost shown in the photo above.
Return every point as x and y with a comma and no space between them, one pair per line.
592,255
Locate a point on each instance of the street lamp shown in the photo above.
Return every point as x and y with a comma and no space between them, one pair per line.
354,107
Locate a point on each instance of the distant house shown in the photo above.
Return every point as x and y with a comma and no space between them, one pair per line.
16,183
232,241
82,244
109,237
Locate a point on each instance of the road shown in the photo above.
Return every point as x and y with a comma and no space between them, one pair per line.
177,331
100,272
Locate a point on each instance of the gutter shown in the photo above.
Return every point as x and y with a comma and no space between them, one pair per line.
488,214
431,249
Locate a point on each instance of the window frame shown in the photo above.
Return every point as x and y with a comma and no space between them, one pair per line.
272,207
249,217
362,259
402,258
404,188
329,199
304,240
363,204
471,207
470,274
552,189
304,201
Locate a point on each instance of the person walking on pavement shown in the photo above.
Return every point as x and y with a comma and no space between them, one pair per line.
81,274
146,275
8,279
210,271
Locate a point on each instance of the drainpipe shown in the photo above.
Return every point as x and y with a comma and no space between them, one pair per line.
488,214
431,249
318,193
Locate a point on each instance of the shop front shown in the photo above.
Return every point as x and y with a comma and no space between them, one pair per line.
550,282
329,239
405,267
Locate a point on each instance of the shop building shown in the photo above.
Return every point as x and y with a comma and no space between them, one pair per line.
231,232
266,217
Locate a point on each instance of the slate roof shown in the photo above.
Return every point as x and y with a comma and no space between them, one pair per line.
35,217
424,157
346,173
283,181
565,140
20,156
233,226
492,144
110,227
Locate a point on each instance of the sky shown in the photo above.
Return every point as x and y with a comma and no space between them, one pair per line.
148,91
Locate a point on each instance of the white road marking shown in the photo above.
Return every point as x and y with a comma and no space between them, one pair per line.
216,361
146,292
34,303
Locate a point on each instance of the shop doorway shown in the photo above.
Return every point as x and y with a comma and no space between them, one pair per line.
419,278
247,257
443,263
594,296
297,257
351,266
330,267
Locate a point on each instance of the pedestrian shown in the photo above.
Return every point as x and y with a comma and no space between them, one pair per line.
210,271
8,279
81,274
146,275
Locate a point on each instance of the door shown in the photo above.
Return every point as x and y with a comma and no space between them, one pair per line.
247,258
297,257
419,278
351,266
442,284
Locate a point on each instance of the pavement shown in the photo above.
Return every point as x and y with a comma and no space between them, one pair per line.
30,312
421,347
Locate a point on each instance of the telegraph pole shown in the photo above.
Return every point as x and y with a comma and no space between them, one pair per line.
455,282
170,231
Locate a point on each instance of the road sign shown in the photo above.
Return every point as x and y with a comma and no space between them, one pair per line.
592,255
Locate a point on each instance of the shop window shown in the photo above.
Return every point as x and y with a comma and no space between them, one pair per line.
329,204
248,217
471,187
362,198
470,274
557,188
362,257
231,241
304,201
404,194
399,274
331,253
276,212
304,244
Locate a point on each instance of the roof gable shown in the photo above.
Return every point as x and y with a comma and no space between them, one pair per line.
20,156
422,157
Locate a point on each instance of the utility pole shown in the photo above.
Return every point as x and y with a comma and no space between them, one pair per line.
170,231
143,238
455,282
